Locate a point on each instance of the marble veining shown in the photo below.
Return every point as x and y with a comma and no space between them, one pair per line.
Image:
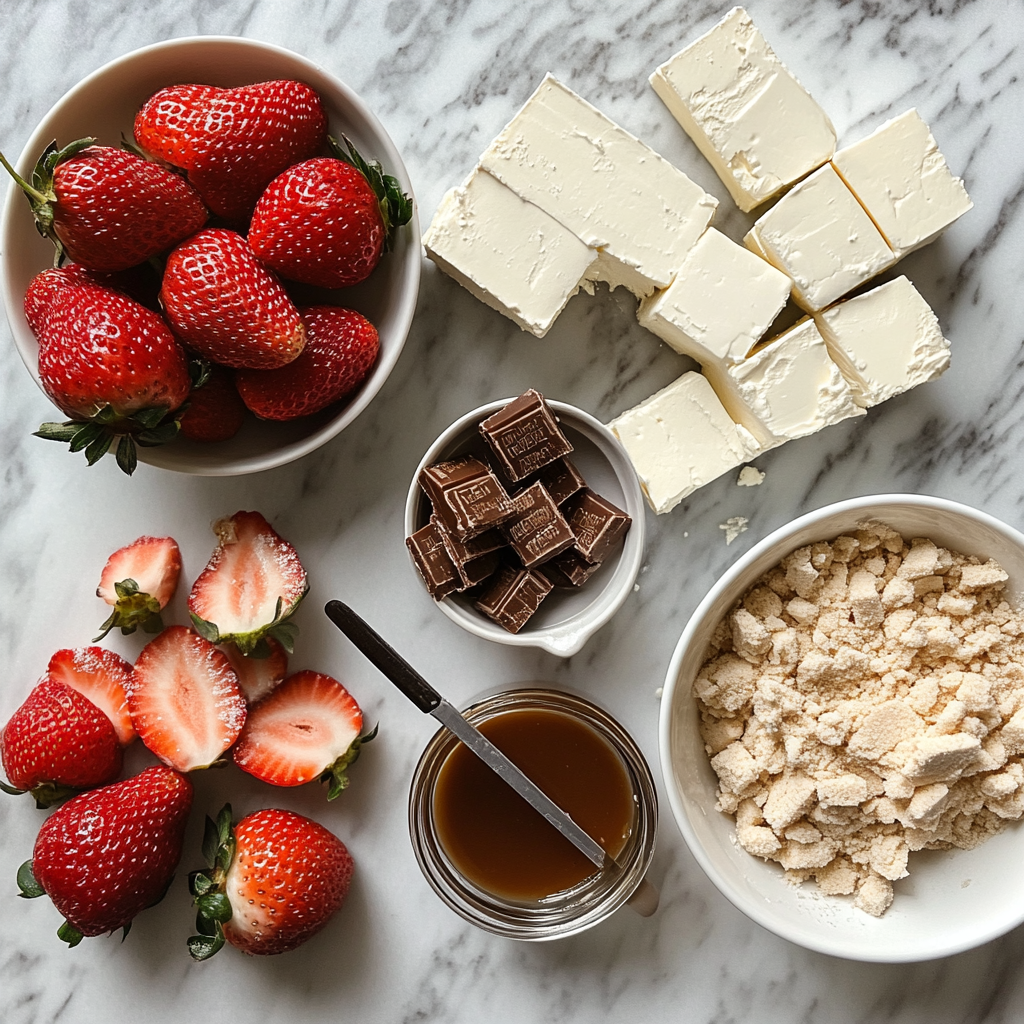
444,77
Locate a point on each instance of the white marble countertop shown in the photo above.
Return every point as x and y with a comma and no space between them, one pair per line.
444,77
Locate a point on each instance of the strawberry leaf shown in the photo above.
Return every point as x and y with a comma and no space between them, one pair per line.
68,933
30,888
10,790
211,843
127,456
215,906
158,435
98,448
202,947
207,630
57,431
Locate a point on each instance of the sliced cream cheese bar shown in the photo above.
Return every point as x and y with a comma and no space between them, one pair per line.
788,388
680,439
507,252
885,341
722,301
904,183
820,236
754,122
602,184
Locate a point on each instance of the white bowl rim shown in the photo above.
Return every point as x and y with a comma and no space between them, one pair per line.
762,915
567,638
392,161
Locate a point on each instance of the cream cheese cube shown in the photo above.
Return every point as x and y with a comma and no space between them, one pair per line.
680,439
821,237
598,181
722,301
885,341
788,388
507,252
754,122
904,183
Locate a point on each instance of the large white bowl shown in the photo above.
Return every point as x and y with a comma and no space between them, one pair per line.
566,619
104,105
953,900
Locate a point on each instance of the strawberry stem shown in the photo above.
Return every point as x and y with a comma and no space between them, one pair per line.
22,183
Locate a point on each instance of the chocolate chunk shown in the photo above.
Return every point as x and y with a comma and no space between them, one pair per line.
569,569
513,596
597,523
537,530
476,570
435,565
562,480
462,552
466,495
524,436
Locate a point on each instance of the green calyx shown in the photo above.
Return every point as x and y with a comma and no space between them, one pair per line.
395,205
255,644
46,794
31,889
213,908
42,195
335,776
132,609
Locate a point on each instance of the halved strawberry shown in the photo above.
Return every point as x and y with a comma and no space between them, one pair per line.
139,580
185,700
103,677
307,728
258,676
252,584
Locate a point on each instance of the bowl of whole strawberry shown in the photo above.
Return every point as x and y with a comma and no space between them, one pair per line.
229,288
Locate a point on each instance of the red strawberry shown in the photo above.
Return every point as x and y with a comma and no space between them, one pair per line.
103,677
341,347
308,728
108,855
232,142
258,676
108,208
56,742
252,584
326,222
215,412
139,580
274,881
184,700
109,364
225,304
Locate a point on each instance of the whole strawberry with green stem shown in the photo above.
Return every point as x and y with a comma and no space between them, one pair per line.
108,209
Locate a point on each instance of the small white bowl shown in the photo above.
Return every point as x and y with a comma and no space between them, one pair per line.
567,618
104,105
953,900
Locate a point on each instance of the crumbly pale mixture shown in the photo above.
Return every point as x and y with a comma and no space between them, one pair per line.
865,699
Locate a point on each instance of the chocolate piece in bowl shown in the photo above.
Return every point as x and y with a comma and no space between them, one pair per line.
569,569
436,567
466,495
462,552
537,530
513,596
597,523
562,480
524,436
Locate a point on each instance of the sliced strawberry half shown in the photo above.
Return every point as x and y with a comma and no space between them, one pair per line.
258,676
249,589
308,728
185,700
139,580
103,677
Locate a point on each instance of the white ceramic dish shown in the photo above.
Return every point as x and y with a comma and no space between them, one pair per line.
566,619
104,105
953,900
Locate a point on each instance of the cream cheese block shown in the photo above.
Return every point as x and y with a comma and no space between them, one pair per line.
602,184
680,439
507,252
820,236
788,388
885,341
904,183
721,303
754,122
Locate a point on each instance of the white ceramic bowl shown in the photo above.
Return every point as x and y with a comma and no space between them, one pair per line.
952,900
566,619
104,105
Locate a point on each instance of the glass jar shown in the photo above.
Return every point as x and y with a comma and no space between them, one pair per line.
563,913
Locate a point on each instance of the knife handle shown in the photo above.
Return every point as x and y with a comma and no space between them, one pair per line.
384,656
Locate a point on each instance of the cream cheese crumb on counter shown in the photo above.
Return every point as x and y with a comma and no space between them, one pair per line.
613,192
864,700
733,526
821,237
753,121
904,183
750,476
885,341
721,303
507,252
680,439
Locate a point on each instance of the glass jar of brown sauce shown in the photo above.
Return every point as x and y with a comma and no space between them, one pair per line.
492,858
